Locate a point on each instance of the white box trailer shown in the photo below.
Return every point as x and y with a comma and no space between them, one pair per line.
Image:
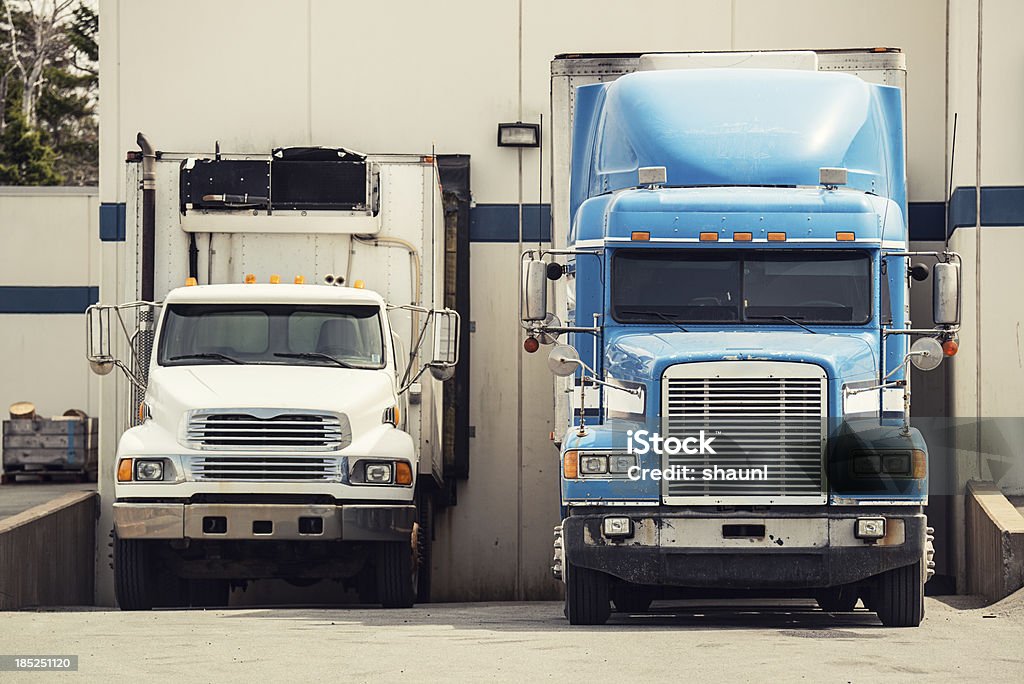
285,346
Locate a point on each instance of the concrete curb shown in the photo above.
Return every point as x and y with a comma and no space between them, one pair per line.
995,542
47,553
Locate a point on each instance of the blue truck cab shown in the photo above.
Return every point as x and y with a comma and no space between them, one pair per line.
736,342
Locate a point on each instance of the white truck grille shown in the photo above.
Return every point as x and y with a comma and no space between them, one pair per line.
762,415
267,429
265,468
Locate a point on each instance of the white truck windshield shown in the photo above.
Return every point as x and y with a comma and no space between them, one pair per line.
296,334
831,287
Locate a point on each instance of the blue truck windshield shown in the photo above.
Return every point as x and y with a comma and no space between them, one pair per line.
830,287
294,334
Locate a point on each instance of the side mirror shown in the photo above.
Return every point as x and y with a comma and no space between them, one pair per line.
534,297
563,360
926,353
946,294
101,367
445,351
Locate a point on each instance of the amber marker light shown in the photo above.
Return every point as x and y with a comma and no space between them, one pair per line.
742,237
250,278
776,237
846,237
275,279
191,282
403,473
300,280
640,235
531,344
950,347
709,237
571,465
124,470
920,461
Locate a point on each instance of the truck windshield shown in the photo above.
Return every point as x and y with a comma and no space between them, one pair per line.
292,334
742,286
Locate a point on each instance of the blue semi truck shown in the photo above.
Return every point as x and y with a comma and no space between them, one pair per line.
729,311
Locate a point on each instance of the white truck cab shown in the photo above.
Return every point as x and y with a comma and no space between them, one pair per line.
276,431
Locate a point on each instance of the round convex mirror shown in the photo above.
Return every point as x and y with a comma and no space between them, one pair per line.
563,360
926,353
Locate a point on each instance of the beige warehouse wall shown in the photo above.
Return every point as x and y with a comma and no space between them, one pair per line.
50,238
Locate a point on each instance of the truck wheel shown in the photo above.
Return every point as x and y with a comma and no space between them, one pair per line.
424,556
899,601
587,599
209,593
396,574
134,574
841,599
631,598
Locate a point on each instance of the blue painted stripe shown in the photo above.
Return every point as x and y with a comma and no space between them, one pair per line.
47,300
1000,206
500,223
112,221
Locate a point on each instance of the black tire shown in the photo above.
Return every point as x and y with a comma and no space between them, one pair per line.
209,593
426,549
841,599
587,596
396,575
134,574
899,600
631,598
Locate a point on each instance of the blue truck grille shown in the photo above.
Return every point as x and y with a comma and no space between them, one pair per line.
768,424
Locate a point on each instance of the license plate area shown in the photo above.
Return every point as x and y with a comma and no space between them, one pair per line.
744,531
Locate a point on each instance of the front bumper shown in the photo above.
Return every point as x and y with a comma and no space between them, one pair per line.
250,521
692,550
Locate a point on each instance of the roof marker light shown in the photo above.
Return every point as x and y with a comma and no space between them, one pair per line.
709,237
191,282
846,236
776,237
250,278
275,279
742,237
640,235
300,280
359,284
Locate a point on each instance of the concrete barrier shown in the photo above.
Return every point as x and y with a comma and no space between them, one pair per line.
995,542
47,553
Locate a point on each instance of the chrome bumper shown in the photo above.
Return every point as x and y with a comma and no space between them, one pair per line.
263,522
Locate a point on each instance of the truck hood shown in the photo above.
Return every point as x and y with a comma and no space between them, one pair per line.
362,395
644,356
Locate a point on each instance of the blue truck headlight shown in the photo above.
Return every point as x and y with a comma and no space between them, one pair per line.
869,528
378,473
621,463
591,464
148,470
617,527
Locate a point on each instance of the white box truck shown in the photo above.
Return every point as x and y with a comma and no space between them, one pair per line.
284,346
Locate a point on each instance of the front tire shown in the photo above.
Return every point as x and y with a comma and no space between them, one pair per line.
899,599
587,596
396,574
134,574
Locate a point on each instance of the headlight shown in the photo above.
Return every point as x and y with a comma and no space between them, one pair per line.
593,465
149,471
621,463
378,473
869,528
911,463
617,527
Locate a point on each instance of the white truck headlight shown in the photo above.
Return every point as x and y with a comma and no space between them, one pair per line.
149,471
593,465
617,527
378,473
869,528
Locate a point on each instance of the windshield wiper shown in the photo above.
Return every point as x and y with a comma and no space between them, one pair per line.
658,314
780,317
206,355
314,355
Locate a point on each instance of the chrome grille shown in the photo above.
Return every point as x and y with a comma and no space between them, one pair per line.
267,429
266,468
761,414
